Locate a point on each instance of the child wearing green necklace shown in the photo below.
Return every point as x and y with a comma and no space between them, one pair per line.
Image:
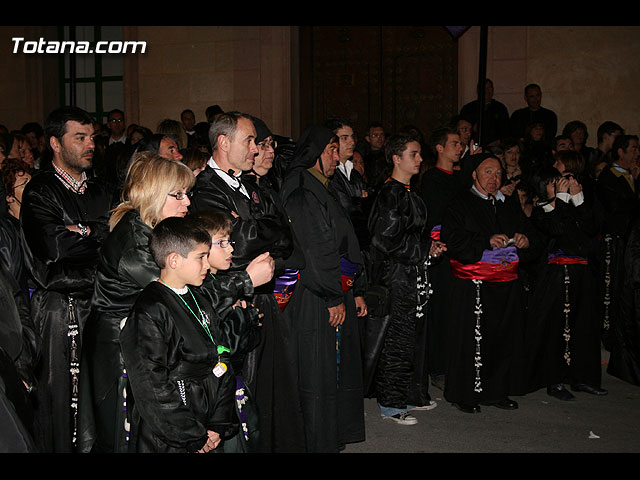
177,361
239,319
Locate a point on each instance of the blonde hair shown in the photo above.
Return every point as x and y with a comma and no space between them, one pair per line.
149,179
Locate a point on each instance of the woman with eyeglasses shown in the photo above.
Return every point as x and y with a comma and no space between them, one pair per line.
155,188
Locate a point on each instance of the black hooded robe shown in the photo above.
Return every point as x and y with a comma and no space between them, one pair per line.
329,358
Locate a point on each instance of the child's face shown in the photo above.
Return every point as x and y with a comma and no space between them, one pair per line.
220,255
193,269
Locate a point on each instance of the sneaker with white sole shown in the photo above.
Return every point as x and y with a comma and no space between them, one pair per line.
432,404
403,418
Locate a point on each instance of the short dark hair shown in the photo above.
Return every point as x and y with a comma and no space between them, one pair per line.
32,127
530,86
178,235
573,126
440,136
541,178
187,110
554,142
608,127
621,141
214,222
336,123
56,123
211,111
396,144
115,110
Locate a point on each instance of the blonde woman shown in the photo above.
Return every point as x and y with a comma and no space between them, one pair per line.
155,188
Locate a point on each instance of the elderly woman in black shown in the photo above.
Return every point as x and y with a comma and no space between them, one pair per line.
400,249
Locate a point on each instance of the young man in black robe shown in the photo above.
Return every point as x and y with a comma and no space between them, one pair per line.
328,298
64,220
439,186
347,184
259,225
401,248
485,233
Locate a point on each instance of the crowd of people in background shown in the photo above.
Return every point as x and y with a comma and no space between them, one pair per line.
216,287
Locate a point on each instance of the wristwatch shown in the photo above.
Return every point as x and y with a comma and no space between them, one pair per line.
84,231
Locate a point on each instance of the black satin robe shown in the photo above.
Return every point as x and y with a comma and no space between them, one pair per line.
241,333
165,350
11,252
63,265
620,205
348,191
262,226
125,267
437,189
468,224
331,389
570,229
19,348
400,245
624,360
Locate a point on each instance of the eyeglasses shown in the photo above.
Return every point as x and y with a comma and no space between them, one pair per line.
180,195
266,145
115,120
21,184
224,243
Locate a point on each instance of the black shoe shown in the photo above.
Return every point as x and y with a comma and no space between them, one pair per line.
583,387
560,392
467,408
506,404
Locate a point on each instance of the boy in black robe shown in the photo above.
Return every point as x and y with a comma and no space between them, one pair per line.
179,371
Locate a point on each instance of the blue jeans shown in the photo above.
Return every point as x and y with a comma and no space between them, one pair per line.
391,411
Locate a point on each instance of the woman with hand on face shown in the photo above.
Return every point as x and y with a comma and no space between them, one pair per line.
156,188
563,329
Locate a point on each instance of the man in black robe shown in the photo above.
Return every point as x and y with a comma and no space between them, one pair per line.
347,184
328,297
64,219
439,186
616,192
259,225
485,233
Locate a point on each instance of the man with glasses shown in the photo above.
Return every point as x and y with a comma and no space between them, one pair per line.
117,127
